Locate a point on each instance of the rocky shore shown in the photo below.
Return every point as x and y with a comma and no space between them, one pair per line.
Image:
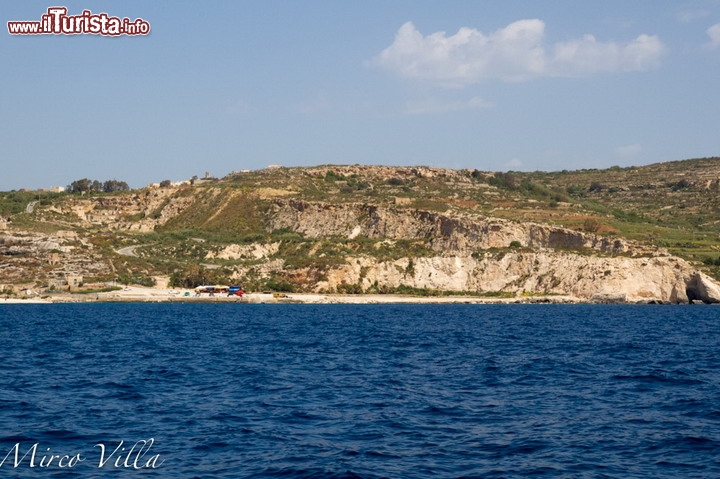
155,295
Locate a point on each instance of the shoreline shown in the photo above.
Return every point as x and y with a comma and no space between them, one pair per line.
135,294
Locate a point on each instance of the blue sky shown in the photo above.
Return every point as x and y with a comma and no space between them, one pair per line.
230,85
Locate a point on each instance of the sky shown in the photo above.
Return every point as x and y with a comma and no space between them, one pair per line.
224,86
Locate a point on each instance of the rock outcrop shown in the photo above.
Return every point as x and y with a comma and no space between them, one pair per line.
374,247
597,279
448,233
141,211
701,288
472,255
38,258
254,251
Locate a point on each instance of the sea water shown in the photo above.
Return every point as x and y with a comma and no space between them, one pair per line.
359,391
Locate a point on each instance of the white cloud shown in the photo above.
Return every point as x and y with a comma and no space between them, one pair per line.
689,16
714,34
513,53
587,56
430,106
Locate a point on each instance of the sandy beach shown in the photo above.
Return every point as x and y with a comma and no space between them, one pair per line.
156,295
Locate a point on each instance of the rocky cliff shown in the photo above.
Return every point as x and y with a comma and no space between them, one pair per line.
448,233
472,254
531,273
266,232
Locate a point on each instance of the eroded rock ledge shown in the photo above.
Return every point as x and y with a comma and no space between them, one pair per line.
555,260
449,233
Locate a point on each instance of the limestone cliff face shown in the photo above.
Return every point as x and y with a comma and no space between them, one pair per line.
448,233
459,251
141,211
587,278
35,257
553,260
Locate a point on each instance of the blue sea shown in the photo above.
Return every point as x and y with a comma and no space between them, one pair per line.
359,391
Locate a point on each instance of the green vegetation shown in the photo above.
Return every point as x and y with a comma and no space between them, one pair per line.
135,278
98,290
15,202
197,275
673,205
223,214
86,185
497,294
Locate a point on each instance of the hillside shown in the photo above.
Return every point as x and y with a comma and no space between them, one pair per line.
640,233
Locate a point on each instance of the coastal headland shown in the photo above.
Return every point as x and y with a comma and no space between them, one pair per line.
355,234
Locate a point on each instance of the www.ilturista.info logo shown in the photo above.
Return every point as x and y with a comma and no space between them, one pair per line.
56,21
